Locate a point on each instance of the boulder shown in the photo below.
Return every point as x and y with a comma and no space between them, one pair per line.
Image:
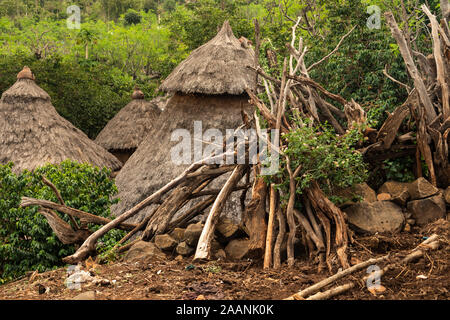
397,190
384,197
227,229
447,195
88,295
421,189
184,249
192,234
143,252
357,192
178,234
165,242
427,210
220,254
237,249
379,216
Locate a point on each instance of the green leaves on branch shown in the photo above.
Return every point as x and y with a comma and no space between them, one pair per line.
324,157
26,240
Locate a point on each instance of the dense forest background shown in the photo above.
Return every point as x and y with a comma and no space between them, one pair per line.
90,72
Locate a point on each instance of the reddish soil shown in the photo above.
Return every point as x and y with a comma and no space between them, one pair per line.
172,279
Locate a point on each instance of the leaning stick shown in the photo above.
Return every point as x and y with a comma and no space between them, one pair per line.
204,242
89,245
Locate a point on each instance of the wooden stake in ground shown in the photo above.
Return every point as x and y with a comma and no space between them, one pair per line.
272,204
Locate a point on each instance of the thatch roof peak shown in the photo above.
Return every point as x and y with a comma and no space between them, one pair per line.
217,67
137,94
130,125
26,73
32,133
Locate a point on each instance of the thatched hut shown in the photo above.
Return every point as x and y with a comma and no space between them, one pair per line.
209,86
33,134
123,133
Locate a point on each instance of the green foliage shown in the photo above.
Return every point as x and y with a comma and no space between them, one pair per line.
400,169
132,17
26,240
324,157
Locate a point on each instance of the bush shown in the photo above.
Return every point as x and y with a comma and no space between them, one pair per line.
132,17
26,240
329,159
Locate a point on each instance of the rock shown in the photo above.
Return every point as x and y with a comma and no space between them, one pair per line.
192,234
88,295
179,258
447,195
178,234
379,216
215,246
220,254
184,249
353,194
398,191
143,252
384,197
165,242
427,210
237,249
421,189
227,230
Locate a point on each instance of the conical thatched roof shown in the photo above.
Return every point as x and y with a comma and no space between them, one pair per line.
217,67
33,134
131,125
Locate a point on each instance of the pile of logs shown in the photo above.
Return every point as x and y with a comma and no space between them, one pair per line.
293,95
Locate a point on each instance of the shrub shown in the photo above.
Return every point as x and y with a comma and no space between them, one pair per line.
132,17
329,159
26,240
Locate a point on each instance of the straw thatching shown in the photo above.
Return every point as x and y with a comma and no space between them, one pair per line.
210,87
217,67
151,166
123,133
33,134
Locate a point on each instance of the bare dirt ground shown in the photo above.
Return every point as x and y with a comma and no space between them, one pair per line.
175,280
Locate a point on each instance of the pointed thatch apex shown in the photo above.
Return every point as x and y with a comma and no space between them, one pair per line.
25,74
131,124
217,67
33,134
137,94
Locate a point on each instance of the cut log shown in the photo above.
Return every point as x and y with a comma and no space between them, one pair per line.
62,229
255,219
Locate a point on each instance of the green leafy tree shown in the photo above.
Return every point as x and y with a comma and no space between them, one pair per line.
26,240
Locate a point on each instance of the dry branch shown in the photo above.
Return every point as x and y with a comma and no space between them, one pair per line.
204,243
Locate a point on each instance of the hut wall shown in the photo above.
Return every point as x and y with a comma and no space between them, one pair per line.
150,167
